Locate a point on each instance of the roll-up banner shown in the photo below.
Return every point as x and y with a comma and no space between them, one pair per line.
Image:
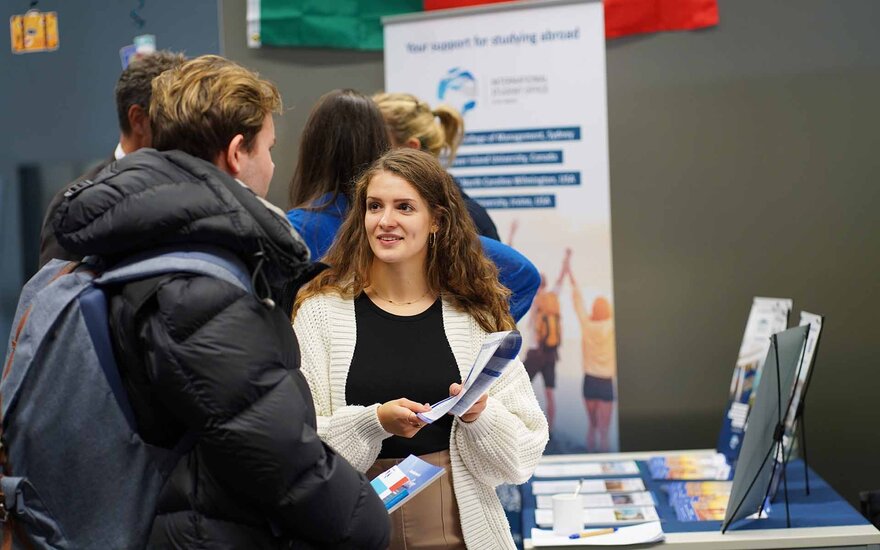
529,79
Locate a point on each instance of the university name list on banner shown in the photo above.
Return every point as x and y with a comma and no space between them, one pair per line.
530,82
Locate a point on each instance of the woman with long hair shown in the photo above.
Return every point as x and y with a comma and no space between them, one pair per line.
395,323
415,124
344,133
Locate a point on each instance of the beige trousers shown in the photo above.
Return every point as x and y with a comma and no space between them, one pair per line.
430,520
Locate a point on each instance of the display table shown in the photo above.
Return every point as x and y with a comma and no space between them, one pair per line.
821,519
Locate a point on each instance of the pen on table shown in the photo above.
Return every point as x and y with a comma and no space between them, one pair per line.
594,533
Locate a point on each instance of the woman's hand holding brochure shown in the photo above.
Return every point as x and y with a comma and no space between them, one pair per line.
498,352
474,412
400,416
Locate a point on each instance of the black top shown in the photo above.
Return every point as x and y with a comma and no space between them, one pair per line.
402,356
485,225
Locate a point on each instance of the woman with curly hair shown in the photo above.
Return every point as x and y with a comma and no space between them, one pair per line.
344,134
396,323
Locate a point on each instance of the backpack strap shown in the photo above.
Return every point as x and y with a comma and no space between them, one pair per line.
210,261
93,304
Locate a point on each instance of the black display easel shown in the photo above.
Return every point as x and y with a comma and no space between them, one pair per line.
776,446
799,415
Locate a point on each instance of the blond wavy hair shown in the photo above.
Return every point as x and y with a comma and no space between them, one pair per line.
200,106
439,130
456,266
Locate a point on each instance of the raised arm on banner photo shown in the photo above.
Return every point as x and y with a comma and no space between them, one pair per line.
545,327
599,358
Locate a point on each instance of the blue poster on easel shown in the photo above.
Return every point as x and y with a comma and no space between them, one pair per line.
767,317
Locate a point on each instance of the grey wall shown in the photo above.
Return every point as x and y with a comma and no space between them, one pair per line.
743,163
57,108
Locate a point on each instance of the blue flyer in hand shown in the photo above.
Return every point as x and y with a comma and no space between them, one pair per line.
396,485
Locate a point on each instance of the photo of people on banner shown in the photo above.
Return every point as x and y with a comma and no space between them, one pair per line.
532,154
597,350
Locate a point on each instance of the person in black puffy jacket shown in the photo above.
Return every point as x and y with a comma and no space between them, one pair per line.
201,356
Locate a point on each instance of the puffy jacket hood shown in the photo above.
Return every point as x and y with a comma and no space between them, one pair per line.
152,199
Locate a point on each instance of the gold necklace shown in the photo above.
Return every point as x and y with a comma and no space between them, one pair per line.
399,303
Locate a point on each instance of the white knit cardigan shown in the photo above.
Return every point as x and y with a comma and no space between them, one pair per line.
503,445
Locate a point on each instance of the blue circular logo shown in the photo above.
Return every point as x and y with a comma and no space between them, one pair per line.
458,88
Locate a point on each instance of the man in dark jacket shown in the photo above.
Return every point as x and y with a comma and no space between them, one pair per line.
132,92
198,354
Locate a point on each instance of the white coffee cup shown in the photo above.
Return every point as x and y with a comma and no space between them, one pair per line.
568,514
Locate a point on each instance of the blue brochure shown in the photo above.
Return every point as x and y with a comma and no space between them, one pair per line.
398,484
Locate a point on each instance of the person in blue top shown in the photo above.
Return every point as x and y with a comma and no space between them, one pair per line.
345,132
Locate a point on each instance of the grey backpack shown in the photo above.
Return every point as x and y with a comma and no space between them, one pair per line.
76,474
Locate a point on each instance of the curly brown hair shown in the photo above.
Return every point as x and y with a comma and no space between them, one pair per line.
456,266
